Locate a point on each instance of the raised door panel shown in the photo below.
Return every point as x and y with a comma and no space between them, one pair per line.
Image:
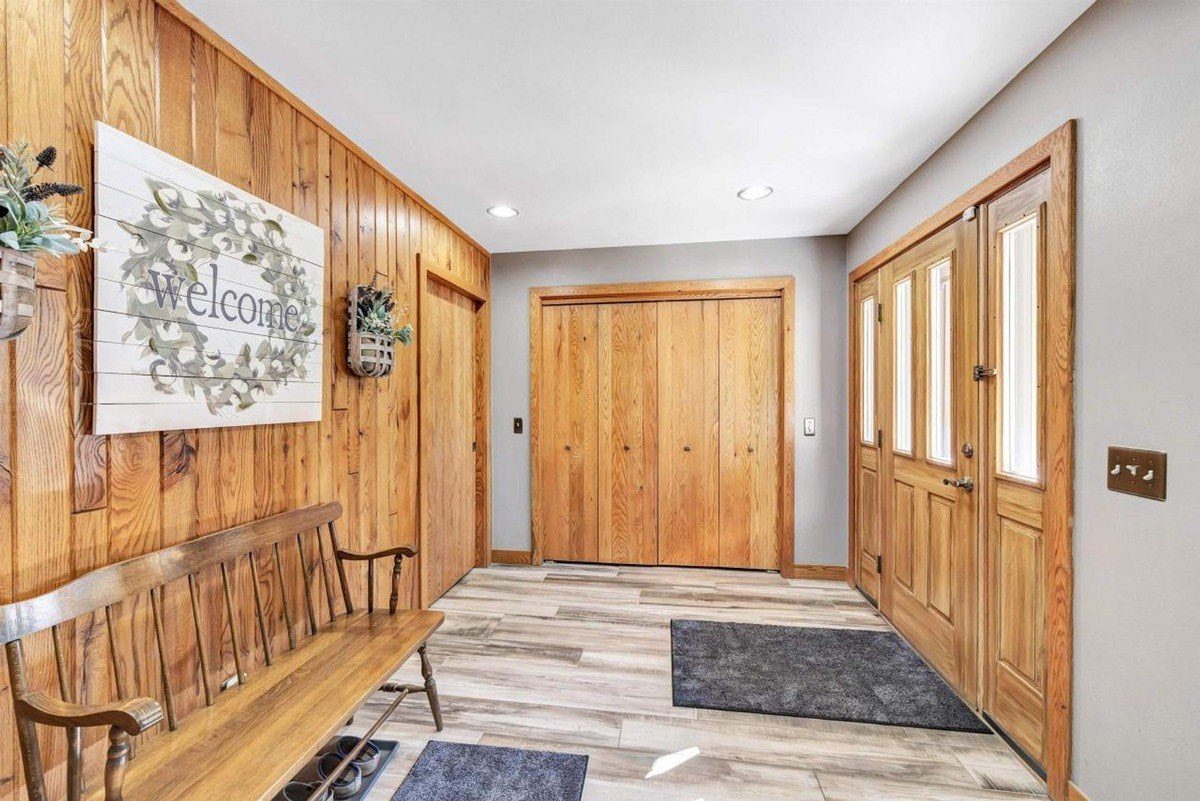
569,433
628,433
749,432
688,424
929,345
447,419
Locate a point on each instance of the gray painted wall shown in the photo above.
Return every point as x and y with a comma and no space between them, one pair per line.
818,265
1130,73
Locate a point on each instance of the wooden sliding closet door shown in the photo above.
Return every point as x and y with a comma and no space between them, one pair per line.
688,425
447,419
750,367
627,335
568,443
867,425
931,329
1017,347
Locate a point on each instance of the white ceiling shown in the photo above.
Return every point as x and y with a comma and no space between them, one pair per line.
626,123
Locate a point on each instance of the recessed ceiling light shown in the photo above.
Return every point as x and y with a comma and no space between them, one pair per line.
755,192
502,211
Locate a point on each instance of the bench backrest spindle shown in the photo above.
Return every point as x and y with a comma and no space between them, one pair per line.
111,587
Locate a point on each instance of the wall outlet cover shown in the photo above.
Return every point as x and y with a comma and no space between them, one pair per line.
810,426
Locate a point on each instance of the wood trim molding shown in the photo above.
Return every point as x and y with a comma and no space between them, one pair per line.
1074,793
664,290
1014,171
822,572
782,287
503,557
1055,151
201,29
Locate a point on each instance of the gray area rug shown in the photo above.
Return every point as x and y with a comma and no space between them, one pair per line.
458,772
833,674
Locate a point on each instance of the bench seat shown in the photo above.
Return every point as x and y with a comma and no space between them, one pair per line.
249,743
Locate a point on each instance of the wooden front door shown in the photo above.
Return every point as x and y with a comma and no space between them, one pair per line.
688,426
448,419
867,425
568,447
931,311
1015,469
627,346
749,437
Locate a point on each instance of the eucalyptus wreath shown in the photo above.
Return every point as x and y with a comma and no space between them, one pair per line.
179,229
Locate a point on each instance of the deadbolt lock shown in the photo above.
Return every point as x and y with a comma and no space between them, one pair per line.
968,450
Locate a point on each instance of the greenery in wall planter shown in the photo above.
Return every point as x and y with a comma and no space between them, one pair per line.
373,332
30,226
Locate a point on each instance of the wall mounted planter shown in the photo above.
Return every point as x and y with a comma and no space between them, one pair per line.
18,277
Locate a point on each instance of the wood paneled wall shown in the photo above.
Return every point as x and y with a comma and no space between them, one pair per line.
70,501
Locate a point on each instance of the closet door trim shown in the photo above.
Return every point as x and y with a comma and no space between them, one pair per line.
783,287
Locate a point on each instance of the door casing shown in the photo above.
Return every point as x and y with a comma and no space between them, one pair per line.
1054,153
782,287
430,272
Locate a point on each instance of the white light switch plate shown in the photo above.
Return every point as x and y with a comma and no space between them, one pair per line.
810,426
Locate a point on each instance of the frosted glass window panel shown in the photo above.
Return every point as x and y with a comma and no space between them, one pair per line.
903,384
940,360
1019,340
867,360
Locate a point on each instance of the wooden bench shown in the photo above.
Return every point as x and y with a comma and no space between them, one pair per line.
248,742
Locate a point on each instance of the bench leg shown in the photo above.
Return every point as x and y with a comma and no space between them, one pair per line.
114,768
435,705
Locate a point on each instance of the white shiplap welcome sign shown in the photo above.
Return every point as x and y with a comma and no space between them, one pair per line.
208,301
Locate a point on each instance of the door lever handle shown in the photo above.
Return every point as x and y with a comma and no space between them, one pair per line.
967,483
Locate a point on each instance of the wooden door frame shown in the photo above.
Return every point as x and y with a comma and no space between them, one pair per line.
782,287
427,273
1055,152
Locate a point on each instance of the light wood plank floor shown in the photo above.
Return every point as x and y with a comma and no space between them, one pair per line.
577,658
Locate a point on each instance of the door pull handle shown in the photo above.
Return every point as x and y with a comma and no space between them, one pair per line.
967,483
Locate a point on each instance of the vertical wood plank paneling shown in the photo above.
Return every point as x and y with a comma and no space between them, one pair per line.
71,502
8,762
135,523
335,305
178,448
41,443
36,110
368,388
325,214
209,484
84,105
237,468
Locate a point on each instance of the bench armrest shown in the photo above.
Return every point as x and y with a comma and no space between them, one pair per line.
133,716
355,556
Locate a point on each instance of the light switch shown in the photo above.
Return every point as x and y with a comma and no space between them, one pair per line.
518,425
810,426
1138,472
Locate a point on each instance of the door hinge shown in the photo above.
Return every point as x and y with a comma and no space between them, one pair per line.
879,564
879,312
879,437
474,447
981,372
